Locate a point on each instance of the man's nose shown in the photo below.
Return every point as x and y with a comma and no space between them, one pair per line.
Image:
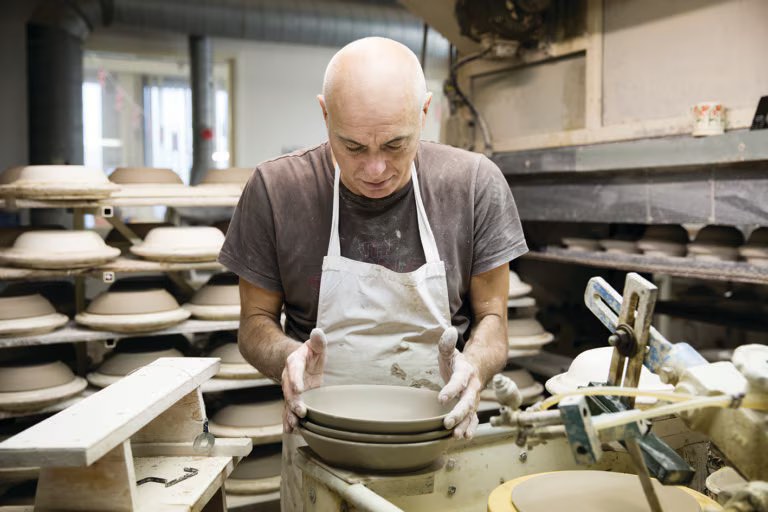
375,167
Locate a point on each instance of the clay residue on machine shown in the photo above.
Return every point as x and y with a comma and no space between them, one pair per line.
398,372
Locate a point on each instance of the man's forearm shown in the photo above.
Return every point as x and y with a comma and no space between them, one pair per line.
487,349
264,345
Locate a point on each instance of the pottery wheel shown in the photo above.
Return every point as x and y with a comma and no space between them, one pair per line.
595,491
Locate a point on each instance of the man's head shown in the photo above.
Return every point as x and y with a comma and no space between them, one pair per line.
374,102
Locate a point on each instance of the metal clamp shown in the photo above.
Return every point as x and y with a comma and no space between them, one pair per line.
188,473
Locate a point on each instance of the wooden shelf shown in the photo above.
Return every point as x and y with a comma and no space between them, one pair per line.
122,265
173,202
73,333
682,267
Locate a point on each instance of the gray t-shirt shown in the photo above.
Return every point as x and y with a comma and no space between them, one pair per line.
280,230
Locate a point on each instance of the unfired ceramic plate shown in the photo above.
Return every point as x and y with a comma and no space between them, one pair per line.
56,182
376,457
594,491
32,376
187,243
375,438
376,409
58,249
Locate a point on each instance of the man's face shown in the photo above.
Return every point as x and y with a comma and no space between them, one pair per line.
374,144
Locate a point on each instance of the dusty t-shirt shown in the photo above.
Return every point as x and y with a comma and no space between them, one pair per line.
280,230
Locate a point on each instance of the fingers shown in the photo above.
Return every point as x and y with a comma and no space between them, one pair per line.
462,410
447,343
467,427
317,341
455,386
295,366
290,421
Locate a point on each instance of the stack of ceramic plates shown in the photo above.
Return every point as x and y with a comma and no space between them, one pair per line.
130,355
32,386
259,473
261,421
665,240
716,243
140,229
593,366
148,182
526,336
581,244
132,311
219,299
616,246
378,428
58,249
233,364
181,244
518,294
61,294
25,315
55,182
9,234
755,251
529,388
227,181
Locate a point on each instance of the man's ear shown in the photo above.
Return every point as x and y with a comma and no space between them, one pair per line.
425,108
321,100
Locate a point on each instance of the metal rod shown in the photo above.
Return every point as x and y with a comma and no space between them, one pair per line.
201,80
642,471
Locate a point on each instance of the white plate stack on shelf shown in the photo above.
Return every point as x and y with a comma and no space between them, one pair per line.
132,310
218,299
116,239
593,366
581,244
716,243
257,474
619,246
755,251
664,240
139,182
27,315
526,337
30,386
55,182
233,365
132,354
187,244
518,298
58,249
261,421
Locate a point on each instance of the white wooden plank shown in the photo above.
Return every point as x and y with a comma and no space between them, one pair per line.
209,200
122,265
189,495
223,447
72,333
87,430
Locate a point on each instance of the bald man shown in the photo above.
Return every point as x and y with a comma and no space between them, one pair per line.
388,254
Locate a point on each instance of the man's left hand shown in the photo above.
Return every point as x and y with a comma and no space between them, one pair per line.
462,380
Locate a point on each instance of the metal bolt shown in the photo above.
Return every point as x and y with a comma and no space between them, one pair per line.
523,456
450,464
451,490
312,496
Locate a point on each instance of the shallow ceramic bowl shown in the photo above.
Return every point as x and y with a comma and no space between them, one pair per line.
116,239
517,288
666,233
144,176
375,409
719,235
708,252
581,244
255,475
190,243
759,237
24,306
233,365
58,249
361,437
660,248
592,366
132,302
619,246
229,353
31,376
120,364
56,182
238,176
376,457
257,414
528,333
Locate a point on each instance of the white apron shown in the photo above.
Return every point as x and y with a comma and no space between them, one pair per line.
382,326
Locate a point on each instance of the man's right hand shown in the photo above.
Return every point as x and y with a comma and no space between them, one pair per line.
303,370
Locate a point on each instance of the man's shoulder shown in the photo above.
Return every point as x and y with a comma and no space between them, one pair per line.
449,156
451,166
296,164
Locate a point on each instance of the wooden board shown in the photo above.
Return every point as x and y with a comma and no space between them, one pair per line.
223,447
216,385
189,495
683,267
208,200
122,265
74,333
87,430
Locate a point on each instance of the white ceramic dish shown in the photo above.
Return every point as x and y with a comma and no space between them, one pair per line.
375,409
39,398
219,299
376,457
26,315
619,246
255,475
261,421
708,252
233,365
56,249
120,364
527,333
361,437
592,366
132,311
581,244
517,288
181,244
662,249
56,182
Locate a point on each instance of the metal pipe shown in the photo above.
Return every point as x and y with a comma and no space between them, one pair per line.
201,81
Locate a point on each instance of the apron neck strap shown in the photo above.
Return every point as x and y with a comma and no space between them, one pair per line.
428,243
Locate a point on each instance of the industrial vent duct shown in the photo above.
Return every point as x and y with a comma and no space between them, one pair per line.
57,29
